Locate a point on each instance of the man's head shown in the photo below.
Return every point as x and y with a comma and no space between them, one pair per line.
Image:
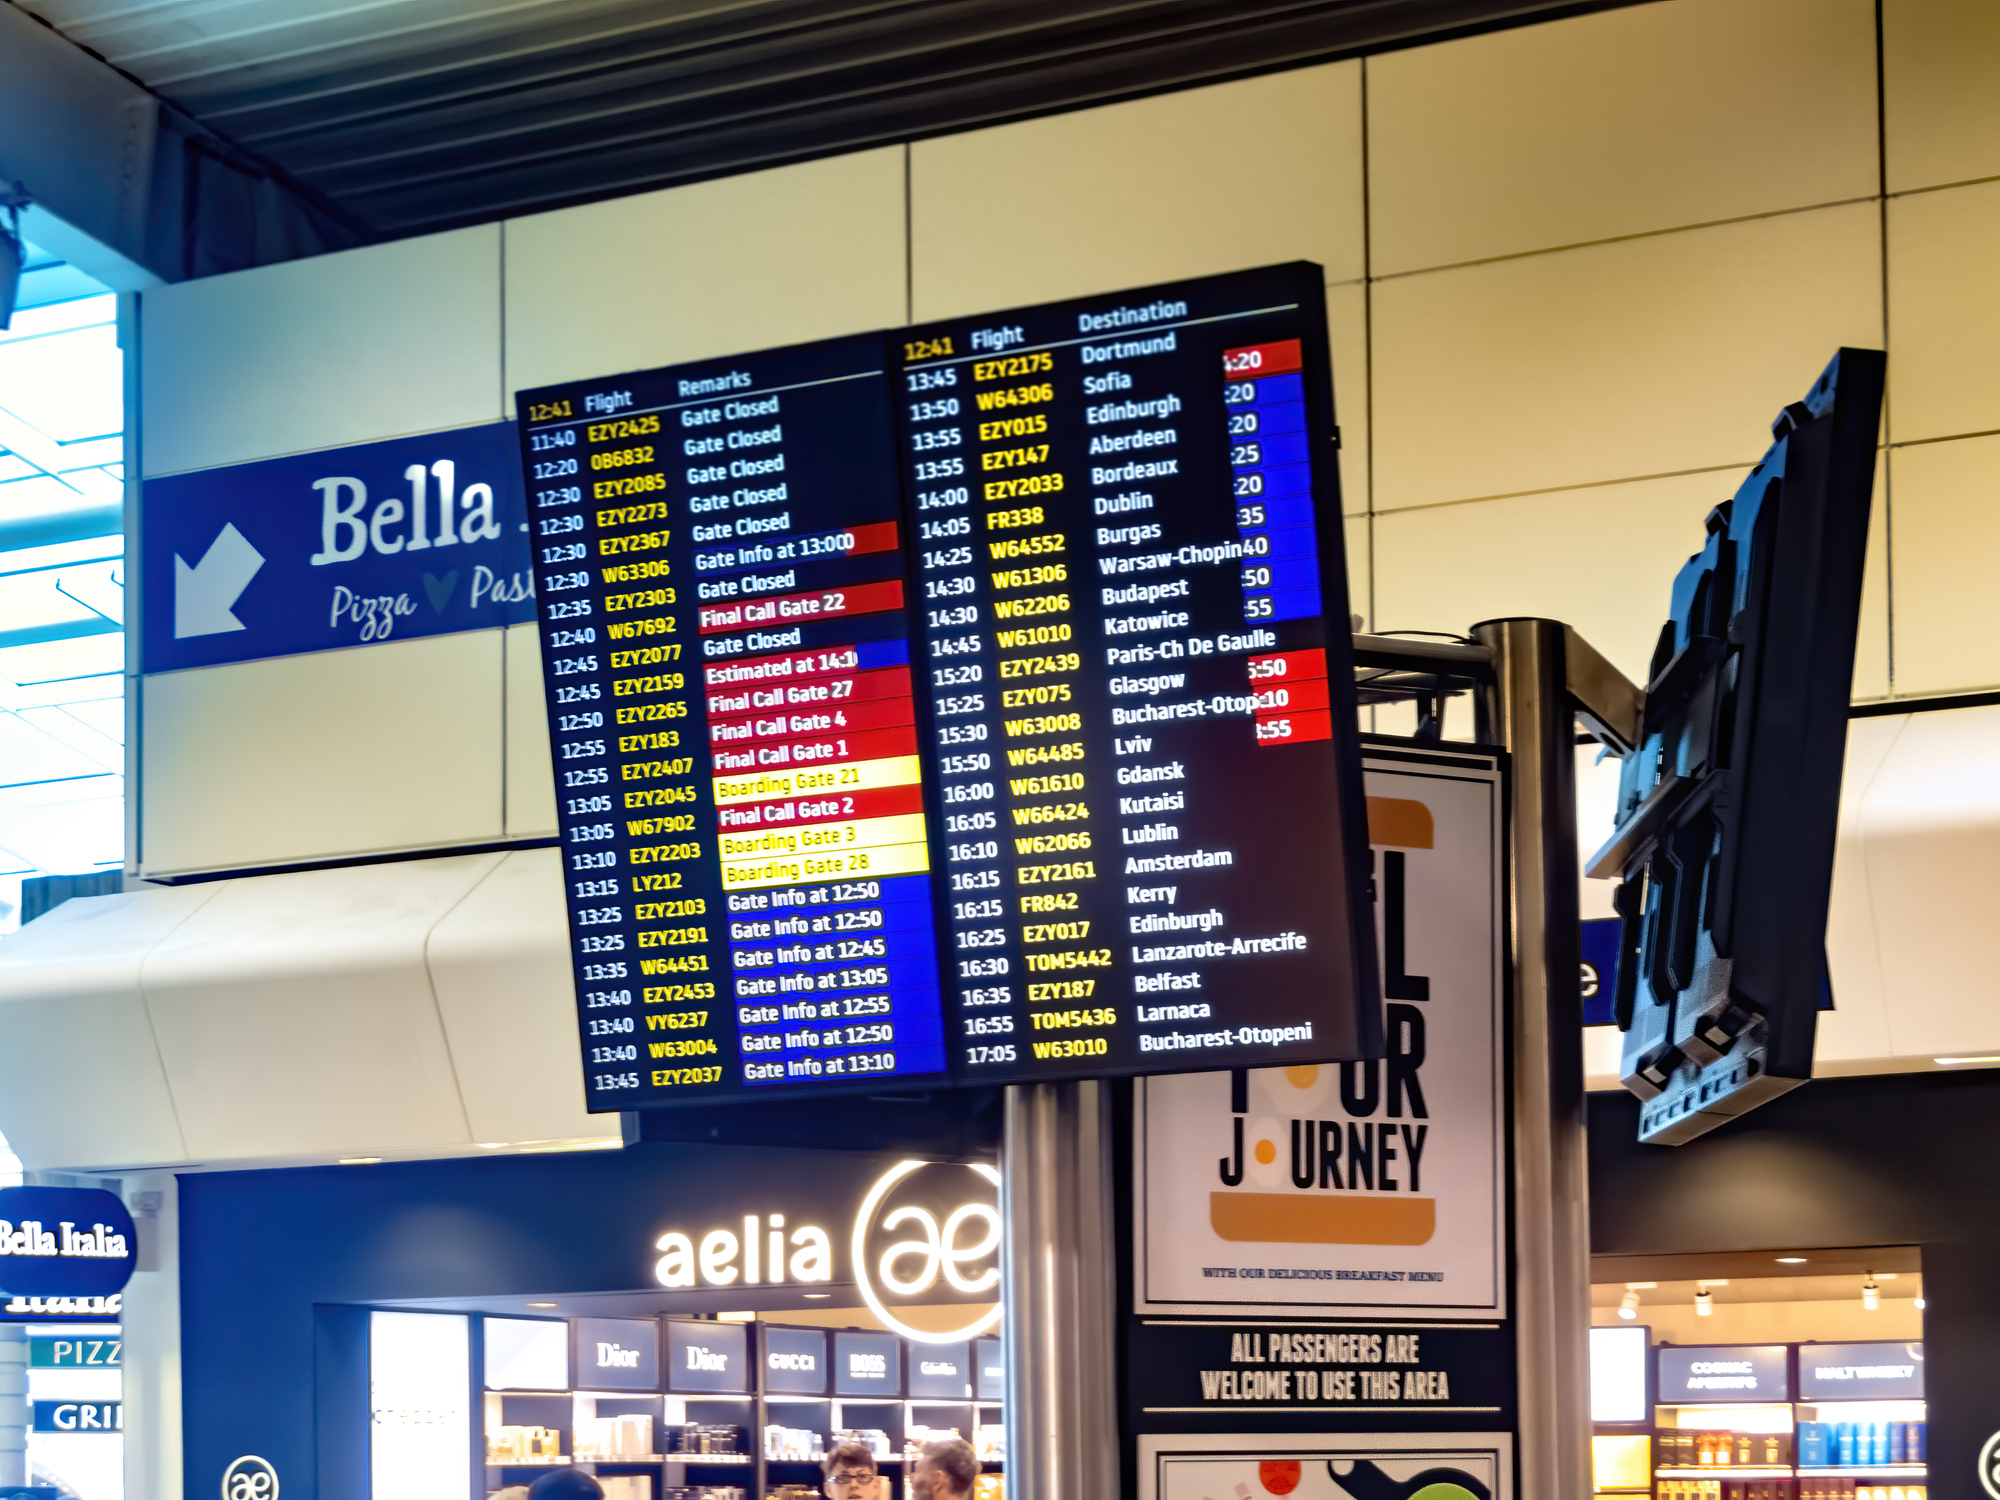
850,1472
565,1484
946,1470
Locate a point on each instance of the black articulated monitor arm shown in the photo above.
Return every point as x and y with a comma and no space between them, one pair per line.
1727,807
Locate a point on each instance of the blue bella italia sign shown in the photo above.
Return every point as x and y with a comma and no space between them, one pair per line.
379,542
64,1242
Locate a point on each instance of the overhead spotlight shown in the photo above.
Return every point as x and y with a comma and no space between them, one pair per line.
1871,1294
1791,1260
1920,1304
1704,1303
1628,1305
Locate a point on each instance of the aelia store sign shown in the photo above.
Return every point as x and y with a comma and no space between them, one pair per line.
64,1242
924,1229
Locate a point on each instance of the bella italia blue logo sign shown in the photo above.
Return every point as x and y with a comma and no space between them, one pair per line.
350,547
64,1242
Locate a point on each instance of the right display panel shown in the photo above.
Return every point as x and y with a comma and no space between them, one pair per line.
1127,526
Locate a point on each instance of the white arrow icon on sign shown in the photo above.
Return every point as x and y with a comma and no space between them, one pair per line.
203,593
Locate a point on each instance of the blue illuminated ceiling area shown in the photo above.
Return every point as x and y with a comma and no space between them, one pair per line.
62,571
404,116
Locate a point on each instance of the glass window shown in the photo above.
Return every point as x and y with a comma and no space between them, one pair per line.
62,577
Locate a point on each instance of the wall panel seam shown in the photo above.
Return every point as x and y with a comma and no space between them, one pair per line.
1949,437
500,298
1889,394
1599,484
383,854
1621,239
131,308
430,982
1558,489
506,729
1864,816
405,640
1942,187
1368,341
386,437
152,1024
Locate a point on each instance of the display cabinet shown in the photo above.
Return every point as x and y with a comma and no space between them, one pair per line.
767,1404
1805,1421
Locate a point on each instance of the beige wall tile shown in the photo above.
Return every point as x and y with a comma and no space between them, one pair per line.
393,746
1401,718
1600,559
1630,121
1946,533
1858,1026
1184,184
324,970
72,973
1928,824
752,262
500,965
1941,91
1601,1047
1944,313
1597,777
531,782
314,353
1359,567
1347,340
1646,357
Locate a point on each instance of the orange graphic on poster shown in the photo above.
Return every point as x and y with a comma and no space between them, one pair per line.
1278,1476
1293,1219
1400,822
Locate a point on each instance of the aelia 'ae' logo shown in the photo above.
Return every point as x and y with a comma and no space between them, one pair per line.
921,1224
959,1245
250,1478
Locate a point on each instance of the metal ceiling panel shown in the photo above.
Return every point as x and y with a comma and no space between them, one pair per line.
408,116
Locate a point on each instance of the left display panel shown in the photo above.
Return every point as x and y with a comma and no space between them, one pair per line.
726,647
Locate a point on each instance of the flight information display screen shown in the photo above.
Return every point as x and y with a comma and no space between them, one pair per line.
970,702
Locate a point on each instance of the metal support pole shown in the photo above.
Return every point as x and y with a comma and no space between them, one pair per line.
13,1406
1536,721
1060,1292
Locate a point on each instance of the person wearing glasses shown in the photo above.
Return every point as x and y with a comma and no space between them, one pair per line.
851,1473
946,1470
